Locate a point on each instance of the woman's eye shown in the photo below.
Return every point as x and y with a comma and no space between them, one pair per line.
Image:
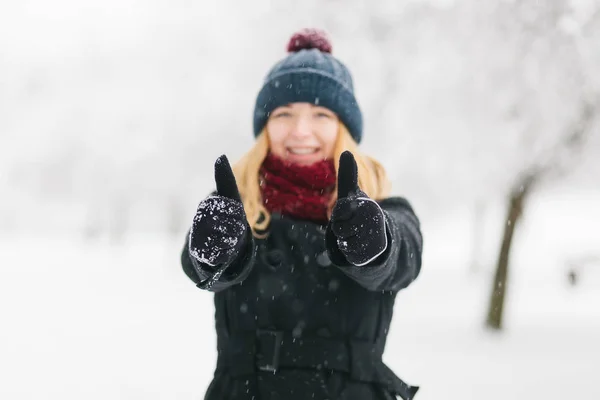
282,114
323,115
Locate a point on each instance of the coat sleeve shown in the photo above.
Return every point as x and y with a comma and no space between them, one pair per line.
219,277
400,263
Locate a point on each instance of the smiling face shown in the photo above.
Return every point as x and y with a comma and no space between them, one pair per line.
302,133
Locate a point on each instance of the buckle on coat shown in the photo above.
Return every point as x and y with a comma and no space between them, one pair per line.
268,349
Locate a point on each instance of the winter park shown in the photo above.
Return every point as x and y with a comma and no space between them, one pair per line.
136,262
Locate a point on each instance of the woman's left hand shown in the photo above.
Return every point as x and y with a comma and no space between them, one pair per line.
357,221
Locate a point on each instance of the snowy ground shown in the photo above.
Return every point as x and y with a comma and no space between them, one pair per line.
95,321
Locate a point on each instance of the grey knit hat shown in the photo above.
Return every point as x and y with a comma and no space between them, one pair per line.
310,74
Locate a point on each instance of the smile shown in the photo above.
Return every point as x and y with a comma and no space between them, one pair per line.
302,150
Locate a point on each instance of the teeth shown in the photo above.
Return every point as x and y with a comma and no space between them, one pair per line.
302,151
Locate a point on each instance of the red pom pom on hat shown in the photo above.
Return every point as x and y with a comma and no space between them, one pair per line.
309,39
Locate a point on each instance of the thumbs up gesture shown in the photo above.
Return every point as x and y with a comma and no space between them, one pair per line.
219,227
357,221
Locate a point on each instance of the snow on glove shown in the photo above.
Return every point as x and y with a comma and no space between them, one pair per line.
219,227
357,221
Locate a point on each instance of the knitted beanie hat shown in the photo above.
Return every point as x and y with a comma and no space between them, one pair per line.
310,74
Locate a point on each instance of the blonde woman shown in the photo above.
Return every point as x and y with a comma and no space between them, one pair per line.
302,246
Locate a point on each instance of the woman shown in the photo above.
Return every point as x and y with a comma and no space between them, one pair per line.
305,263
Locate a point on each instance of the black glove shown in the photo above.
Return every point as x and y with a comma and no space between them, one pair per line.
219,228
357,222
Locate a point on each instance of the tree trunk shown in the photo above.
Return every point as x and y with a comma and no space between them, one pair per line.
515,211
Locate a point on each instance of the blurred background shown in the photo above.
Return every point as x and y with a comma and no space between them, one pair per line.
486,115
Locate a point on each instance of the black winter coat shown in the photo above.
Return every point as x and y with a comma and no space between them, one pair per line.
295,321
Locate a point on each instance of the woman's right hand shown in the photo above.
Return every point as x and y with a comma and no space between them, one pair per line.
220,227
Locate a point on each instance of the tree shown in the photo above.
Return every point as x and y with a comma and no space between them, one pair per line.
543,45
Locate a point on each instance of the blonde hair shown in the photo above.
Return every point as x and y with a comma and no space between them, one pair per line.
372,178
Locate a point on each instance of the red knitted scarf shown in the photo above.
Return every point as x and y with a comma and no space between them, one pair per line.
298,191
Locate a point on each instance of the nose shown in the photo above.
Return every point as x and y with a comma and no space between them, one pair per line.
302,128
